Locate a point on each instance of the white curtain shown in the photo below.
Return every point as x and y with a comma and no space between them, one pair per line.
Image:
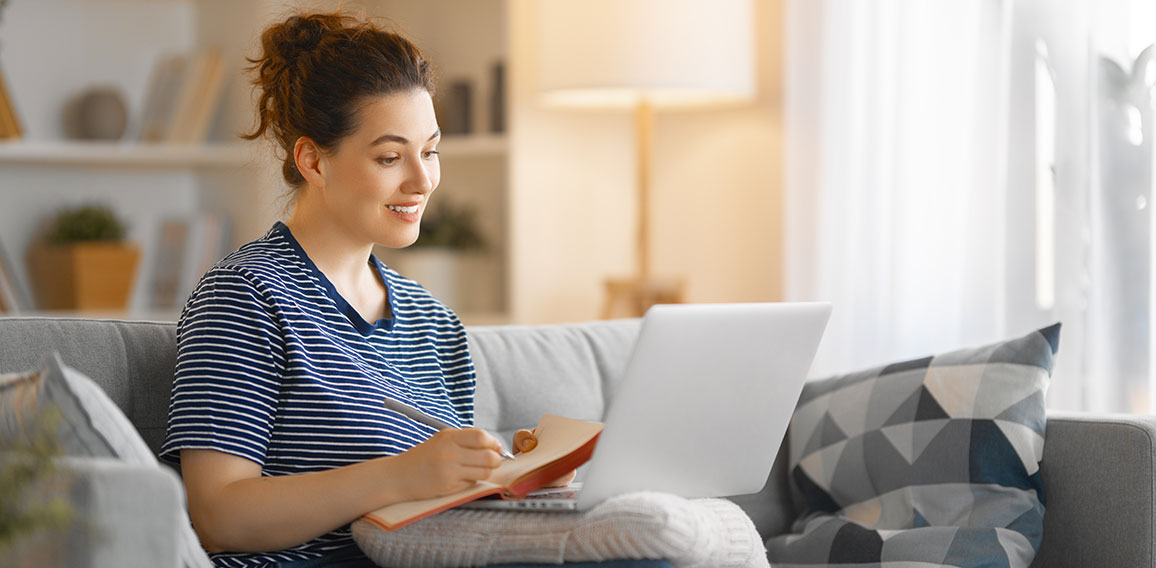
896,118
963,172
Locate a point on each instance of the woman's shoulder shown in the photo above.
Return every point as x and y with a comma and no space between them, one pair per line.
265,263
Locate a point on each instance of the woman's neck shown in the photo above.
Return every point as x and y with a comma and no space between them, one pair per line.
337,254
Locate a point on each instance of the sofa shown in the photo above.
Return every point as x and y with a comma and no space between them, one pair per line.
1098,469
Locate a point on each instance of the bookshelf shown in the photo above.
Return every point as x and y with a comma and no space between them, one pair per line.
122,154
218,154
104,43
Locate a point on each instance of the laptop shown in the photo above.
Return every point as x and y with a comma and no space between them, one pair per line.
702,408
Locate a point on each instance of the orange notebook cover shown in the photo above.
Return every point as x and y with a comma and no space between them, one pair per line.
563,445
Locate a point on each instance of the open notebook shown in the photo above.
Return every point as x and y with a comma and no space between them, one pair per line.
563,445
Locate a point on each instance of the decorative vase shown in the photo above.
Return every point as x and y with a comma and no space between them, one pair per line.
83,276
99,113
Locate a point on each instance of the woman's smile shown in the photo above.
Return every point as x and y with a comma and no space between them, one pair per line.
407,212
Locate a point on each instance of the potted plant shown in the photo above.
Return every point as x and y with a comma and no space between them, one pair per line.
31,505
83,262
449,232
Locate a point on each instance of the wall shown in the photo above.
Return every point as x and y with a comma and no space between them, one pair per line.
716,179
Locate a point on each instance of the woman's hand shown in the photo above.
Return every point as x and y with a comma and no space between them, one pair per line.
524,441
450,461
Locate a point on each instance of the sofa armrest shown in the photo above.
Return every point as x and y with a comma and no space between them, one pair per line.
124,515
1099,478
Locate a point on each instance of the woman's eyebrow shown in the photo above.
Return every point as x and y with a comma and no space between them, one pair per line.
401,139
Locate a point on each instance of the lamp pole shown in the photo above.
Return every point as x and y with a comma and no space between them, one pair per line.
642,290
643,121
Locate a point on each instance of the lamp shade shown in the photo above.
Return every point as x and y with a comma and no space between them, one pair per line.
668,53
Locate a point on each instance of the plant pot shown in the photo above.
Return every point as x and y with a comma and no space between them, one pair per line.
437,270
83,276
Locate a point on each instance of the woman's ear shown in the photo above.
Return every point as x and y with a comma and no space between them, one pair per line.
308,158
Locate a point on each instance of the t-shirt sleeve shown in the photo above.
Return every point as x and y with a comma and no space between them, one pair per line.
230,360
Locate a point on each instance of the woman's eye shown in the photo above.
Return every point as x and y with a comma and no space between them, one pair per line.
389,161
429,154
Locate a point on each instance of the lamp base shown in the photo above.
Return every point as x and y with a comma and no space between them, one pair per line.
631,297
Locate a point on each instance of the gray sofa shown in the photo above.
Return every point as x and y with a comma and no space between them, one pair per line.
1098,469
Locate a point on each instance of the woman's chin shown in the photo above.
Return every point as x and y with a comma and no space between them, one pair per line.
398,242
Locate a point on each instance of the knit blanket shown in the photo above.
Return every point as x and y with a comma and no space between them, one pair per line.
689,533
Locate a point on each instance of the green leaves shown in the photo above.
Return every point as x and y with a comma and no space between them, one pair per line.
28,477
452,226
88,223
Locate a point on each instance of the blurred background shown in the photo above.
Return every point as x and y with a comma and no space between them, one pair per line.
947,173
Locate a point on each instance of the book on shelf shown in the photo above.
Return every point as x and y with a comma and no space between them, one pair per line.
164,87
9,121
563,445
172,238
14,297
187,247
183,97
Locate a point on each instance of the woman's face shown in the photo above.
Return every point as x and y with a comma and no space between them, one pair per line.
379,179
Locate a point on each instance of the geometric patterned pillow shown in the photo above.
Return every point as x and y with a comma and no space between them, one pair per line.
932,461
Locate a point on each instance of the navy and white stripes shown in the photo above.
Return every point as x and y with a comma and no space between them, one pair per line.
275,367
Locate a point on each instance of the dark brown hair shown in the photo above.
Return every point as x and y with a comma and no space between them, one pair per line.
316,70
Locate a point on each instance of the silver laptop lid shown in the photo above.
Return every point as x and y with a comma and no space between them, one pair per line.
705,400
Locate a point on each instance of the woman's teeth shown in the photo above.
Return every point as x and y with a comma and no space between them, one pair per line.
407,210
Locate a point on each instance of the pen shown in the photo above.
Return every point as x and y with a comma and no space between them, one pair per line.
410,412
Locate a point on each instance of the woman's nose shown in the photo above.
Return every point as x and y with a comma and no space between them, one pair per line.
421,178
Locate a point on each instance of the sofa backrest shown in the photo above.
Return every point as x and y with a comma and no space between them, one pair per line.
132,361
568,369
523,371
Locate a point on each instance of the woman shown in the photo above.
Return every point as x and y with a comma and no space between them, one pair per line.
288,345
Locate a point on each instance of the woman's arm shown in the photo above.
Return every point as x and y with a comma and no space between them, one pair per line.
234,508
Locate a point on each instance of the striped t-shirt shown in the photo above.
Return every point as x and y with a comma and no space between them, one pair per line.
274,366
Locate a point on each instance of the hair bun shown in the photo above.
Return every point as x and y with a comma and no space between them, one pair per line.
301,35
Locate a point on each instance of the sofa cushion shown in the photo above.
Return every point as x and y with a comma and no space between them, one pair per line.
933,460
91,425
131,362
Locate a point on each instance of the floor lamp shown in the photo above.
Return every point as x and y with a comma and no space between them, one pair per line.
645,55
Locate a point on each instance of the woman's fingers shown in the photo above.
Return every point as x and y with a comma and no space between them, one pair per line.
452,460
478,454
486,458
524,441
473,438
474,474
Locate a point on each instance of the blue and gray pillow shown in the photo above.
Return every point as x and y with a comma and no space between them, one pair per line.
932,460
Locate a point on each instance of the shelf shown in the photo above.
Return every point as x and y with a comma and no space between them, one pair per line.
230,155
470,145
472,319
125,154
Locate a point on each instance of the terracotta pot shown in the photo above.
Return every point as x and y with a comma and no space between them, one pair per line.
83,276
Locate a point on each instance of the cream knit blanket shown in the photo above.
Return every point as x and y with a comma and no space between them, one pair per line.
699,533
